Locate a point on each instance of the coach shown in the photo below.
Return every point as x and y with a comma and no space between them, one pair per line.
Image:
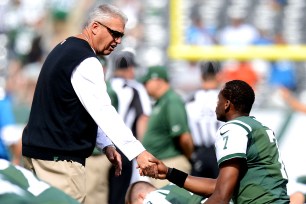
70,103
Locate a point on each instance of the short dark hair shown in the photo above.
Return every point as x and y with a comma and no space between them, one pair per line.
240,94
209,69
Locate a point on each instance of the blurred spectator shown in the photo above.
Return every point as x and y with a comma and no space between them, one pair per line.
198,34
279,4
10,134
134,108
186,77
64,18
22,25
30,68
203,122
292,100
36,52
261,66
13,21
241,70
134,27
264,38
168,136
21,82
238,32
3,151
282,72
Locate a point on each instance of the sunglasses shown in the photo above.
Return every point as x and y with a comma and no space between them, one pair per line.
115,34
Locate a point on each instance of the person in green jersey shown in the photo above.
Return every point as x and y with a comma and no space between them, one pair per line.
20,186
141,192
251,170
167,136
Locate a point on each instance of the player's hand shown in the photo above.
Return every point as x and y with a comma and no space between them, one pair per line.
146,168
161,167
115,158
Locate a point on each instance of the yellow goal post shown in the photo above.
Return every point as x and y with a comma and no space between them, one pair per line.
179,50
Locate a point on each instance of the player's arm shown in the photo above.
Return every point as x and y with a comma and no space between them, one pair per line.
200,185
218,190
227,181
197,185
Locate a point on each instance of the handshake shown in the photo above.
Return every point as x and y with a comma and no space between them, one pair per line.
155,168
149,166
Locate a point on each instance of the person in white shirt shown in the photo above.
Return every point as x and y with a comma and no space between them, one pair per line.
203,122
71,104
238,32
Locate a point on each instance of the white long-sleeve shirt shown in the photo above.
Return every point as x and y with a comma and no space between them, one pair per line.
89,85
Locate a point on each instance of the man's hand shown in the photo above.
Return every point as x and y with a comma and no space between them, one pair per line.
147,168
115,158
161,167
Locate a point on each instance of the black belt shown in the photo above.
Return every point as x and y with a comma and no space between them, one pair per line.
70,158
50,155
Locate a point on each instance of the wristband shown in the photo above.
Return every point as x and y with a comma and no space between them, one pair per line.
176,176
169,172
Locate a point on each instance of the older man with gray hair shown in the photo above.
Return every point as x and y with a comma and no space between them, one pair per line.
70,104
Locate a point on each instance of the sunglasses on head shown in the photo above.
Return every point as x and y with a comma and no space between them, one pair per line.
115,34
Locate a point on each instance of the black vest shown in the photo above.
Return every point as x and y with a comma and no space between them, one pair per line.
59,126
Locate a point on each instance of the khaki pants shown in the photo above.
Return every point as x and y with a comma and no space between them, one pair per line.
65,175
97,169
178,162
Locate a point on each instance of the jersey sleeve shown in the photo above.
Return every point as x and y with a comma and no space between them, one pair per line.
231,142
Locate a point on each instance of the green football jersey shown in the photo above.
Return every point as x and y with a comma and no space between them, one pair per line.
266,178
172,194
18,185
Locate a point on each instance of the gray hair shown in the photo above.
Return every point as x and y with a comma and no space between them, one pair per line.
104,12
